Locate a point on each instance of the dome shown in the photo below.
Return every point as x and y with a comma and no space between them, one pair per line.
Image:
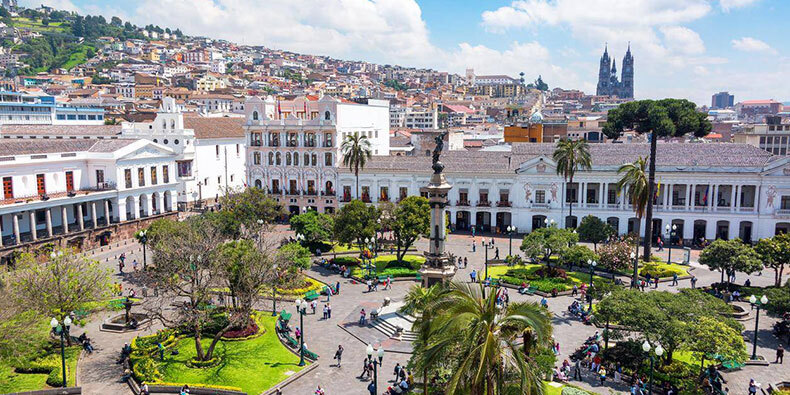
536,117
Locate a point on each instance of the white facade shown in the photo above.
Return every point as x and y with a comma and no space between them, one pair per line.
414,118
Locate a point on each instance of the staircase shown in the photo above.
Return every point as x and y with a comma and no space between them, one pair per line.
388,324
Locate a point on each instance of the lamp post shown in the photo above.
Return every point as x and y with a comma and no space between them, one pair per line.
143,239
763,301
671,232
376,364
274,290
592,264
636,271
301,308
369,244
659,352
510,230
376,238
486,247
63,330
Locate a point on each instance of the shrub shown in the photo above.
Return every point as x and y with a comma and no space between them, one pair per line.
551,272
661,270
513,260
345,260
568,390
616,255
578,255
195,364
144,368
249,330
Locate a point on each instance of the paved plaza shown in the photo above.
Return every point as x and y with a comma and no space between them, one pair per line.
98,373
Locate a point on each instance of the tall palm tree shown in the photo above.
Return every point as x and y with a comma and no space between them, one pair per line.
635,180
485,336
572,156
356,152
415,303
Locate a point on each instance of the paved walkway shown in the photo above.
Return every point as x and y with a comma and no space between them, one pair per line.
99,375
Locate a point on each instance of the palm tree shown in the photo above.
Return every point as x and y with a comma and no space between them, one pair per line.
356,152
415,303
635,180
485,336
572,156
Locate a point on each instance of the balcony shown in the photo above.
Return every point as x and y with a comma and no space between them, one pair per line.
310,144
328,193
276,191
484,203
274,144
310,193
462,203
291,143
384,199
504,203
366,198
540,205
256,144
345,199
292,192
612,206
328,144
782,212
101,186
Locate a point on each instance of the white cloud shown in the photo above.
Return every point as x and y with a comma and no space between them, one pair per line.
727,5
750,44
682,39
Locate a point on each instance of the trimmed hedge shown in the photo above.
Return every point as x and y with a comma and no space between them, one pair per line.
661,270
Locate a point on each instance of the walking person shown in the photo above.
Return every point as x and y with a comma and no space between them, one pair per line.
135,266
496,251
397,370
474,248
362,317
674,279
328,311
364,368
577,370
389,283
466,262
693,282
780,354
339,354
120,266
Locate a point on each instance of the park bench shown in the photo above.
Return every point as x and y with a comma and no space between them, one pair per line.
285,316
419,276
291,341
310,355
326,289
382,279
495,282
311,295
81,314
531,290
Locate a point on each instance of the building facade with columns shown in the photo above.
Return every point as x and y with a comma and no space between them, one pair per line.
706,191
62,188
293,147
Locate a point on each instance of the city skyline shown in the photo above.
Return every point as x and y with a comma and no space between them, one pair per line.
700,47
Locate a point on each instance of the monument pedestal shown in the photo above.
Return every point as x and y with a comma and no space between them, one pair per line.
438,267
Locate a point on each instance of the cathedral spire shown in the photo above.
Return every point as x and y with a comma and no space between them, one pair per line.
614,67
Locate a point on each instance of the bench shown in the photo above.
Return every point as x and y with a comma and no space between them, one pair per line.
291,341
326,289
311,296
382,279
531,290
419,276
285,316
310,355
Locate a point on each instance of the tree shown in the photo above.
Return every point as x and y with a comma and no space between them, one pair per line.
615,255
115,21
296,254
314,226
595,231
356,152
729,256
250,205
661,118
245,269
572,156
634,179
488,358
415,304
578,255
410,220
709,336
355,222
540,85
775,253
544,242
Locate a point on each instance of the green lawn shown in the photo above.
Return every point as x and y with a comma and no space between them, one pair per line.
31,24
12,381
252,365
77,58
387,266
542,284
689,358
662,269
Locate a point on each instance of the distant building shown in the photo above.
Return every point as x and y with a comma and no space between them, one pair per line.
608,84
772,136
19,108
755,110
722,100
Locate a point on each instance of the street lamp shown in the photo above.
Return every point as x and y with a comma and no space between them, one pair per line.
274,290
301,308
671,236
592,264
63,330
634,280
143,239
510,230
376,364
486,247
659,352
376,237
763,301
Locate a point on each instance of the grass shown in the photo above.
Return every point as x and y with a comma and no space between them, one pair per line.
311,285
386,265
252,365
36,25
662,269
77,58
690,359
13,381
542,284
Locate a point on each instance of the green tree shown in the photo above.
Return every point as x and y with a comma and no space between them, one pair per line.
314,226
578,255
593,230
615,255
634,180
295,253
729,256
775,253
354,222
489,360
115,21
660,118
540,85
250,205
572,156
709,336
410,220
544,242
415,304
356,152
245,270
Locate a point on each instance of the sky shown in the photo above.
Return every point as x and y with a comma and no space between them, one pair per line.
682,48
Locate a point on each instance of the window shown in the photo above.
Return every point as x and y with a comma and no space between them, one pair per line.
288,158
127,178
275,186
292,187
296,159
384,194
99,177
254,115
216,148
328,159
237,150
612,196
463,196
315,160
256,158
256,139
153,175
271,158
365,193
327,115
403,192
41,184
166,174
140,176
278,159
327,139
306,159
69,181
570,195
785,205
8,188
310,187
484,196
504,195
346,192
219,180
540,196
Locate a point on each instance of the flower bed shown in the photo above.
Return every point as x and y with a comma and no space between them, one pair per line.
386,265
561,280
662,270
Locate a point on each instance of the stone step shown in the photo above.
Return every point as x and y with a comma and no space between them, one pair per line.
390,329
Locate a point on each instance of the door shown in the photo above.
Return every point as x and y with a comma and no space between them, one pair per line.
8,188
69,181
40,184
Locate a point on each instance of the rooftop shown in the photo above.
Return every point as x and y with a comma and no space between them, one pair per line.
34,147
60,130
213,128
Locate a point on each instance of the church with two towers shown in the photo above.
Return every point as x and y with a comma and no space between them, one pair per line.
608,83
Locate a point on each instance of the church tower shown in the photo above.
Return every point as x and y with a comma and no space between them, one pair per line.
627,91
603,74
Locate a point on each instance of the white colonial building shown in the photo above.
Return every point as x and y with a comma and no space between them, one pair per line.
294,146
706,190
69,188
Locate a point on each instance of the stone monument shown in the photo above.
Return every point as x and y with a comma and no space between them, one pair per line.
438,266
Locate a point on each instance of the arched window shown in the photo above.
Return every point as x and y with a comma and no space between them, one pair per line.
296,159
172,124
288,158
258,184
164,124
327,115
328,188
255,115
271,158
315,160
328,159
256,158
278,159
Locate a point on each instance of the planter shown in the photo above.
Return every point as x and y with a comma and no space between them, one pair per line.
117,323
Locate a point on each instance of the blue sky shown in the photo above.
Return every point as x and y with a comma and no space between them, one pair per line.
683,48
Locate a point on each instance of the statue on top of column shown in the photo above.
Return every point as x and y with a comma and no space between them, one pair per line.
439,139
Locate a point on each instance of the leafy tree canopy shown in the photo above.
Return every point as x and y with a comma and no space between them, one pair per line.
729,256
410,220
314,226
667,117
592,229
354,222
544,242
775,253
